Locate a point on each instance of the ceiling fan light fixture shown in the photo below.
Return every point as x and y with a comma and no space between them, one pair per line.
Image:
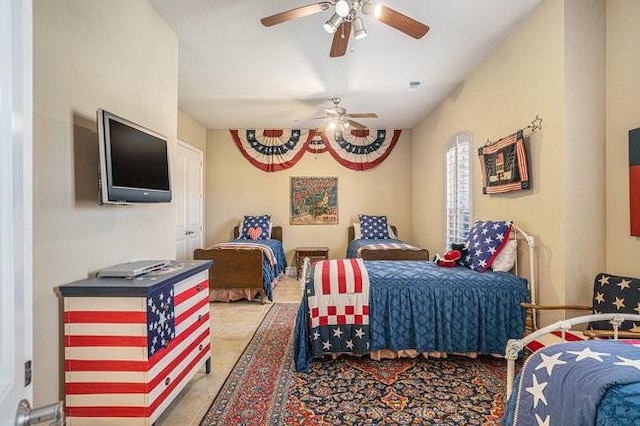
342,8
359,32
333,23
374,10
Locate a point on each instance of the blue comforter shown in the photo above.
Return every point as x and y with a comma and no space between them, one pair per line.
269,274
594,382
355,245
419,305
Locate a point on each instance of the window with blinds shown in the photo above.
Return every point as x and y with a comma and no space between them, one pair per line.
458,188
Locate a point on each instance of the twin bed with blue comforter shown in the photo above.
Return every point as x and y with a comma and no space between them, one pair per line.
243,268
407,305
390,248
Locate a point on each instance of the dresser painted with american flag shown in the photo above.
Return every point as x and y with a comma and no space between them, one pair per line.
131,345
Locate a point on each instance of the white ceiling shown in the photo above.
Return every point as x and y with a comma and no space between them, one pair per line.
236,73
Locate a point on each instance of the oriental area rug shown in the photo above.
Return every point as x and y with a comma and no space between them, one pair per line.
264,389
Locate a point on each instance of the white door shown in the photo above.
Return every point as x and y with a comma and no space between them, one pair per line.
188,194
16,248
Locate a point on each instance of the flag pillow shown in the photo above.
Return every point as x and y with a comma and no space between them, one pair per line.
256,227
486,240
374,227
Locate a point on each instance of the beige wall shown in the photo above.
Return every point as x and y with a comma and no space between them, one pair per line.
191,132
584,141
623,114
117,55
531,73
524,77
233,188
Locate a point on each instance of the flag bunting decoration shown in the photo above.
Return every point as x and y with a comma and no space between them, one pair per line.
272,150
275,150
361,149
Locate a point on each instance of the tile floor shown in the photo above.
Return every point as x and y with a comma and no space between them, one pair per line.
232,327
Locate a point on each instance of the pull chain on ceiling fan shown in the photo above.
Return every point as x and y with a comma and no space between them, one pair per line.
347,14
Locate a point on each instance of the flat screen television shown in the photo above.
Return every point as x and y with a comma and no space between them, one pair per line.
134,162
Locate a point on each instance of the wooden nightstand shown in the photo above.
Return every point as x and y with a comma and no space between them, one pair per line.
313,253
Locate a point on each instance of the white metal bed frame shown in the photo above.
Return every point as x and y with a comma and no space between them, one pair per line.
514,346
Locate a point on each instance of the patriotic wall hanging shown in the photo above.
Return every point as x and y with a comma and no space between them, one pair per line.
275,150
634,181
504,165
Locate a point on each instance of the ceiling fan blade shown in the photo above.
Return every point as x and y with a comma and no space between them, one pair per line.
356,124
363,115
310,119
402,22
340,40
298,12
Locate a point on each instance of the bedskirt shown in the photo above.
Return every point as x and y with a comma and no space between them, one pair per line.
419,306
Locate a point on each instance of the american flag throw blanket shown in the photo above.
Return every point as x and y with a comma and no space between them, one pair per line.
338,303
387,246
266,250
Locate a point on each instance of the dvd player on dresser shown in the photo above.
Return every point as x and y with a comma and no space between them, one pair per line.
132,269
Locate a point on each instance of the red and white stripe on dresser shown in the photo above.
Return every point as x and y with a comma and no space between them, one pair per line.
109,376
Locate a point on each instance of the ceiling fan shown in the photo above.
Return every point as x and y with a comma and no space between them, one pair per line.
347,13
341,120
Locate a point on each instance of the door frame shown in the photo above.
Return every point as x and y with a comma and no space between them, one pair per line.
16,204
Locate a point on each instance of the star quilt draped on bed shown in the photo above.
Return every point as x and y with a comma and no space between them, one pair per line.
563,384
275,150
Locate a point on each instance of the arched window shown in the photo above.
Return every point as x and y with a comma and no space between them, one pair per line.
458,187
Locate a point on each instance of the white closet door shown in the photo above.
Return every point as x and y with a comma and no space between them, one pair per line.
188,196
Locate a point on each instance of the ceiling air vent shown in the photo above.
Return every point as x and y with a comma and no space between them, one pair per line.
413,85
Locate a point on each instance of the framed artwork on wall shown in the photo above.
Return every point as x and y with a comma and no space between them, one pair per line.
313,200
634,181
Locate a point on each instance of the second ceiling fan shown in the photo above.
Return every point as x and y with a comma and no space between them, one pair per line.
347,15
341,120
